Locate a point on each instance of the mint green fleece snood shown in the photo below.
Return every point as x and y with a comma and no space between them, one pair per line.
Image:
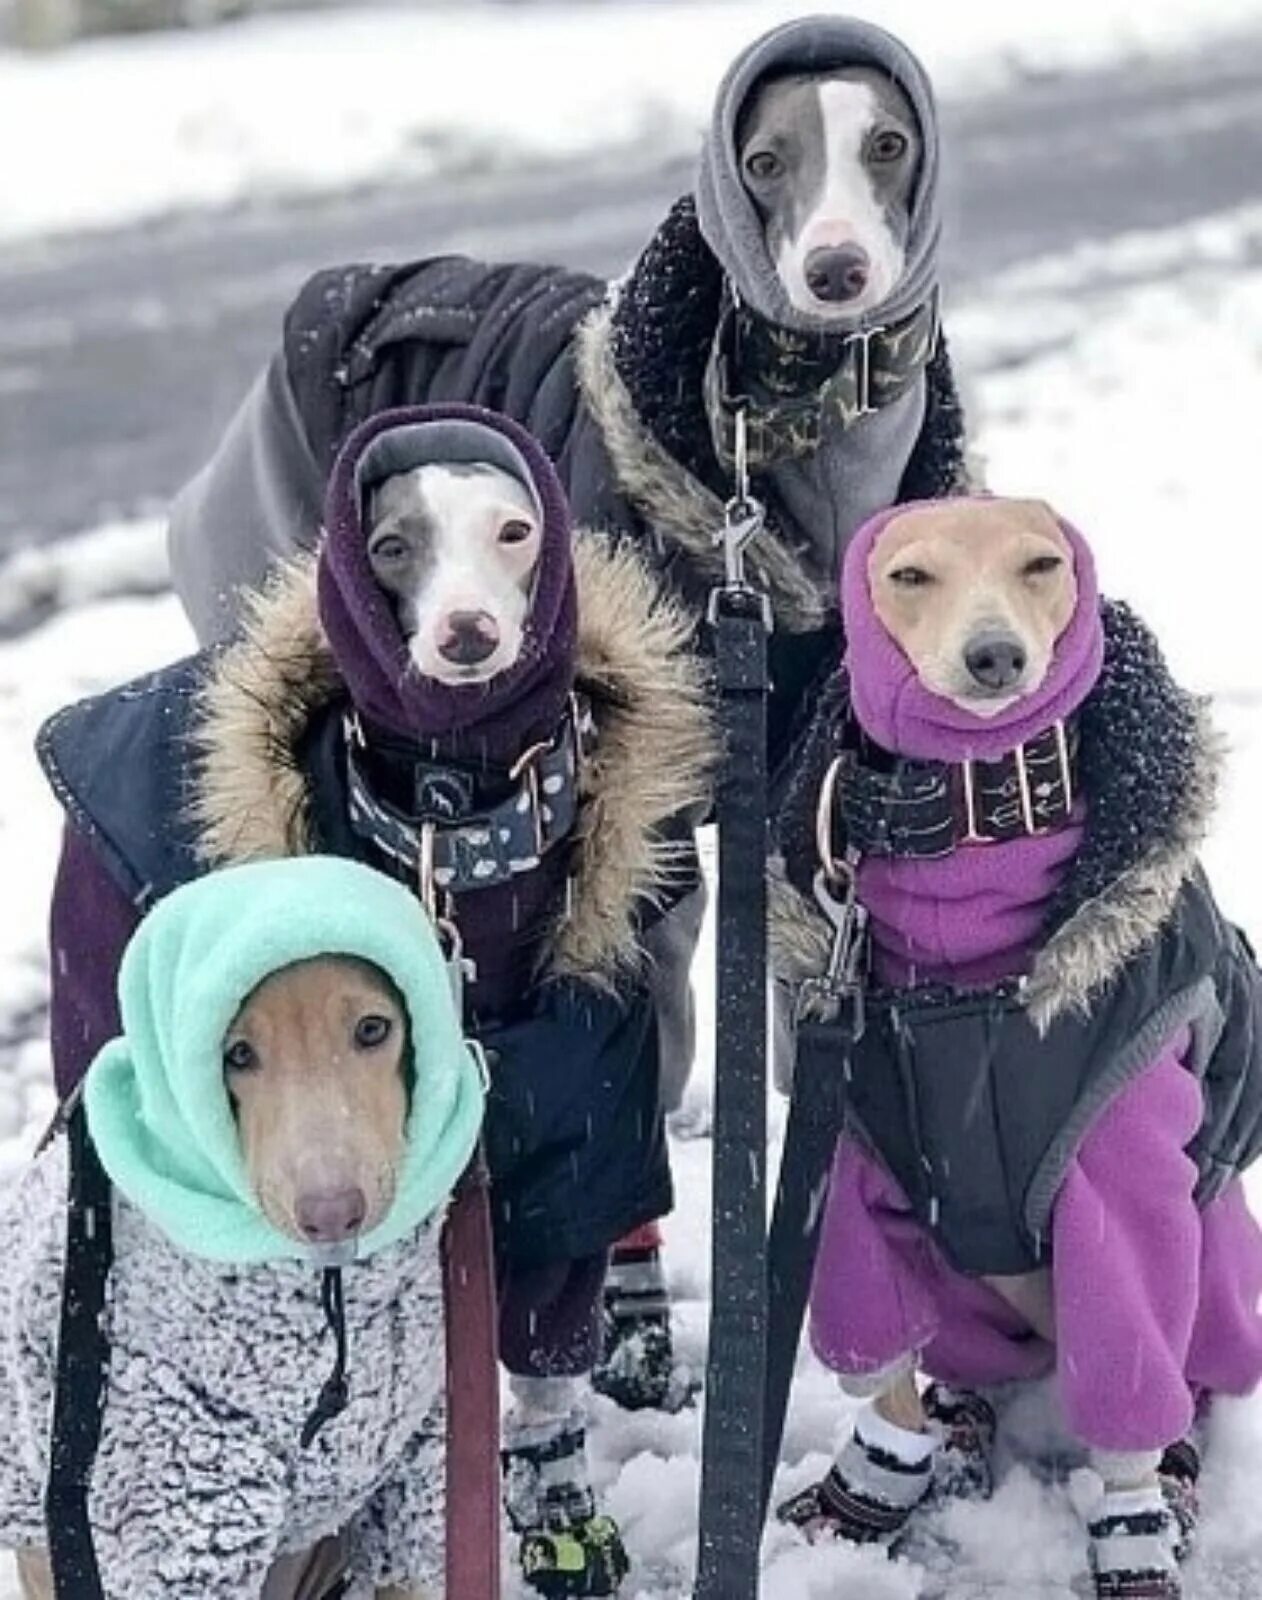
157,1105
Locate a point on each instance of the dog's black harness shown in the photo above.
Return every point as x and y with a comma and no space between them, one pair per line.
441,830
791,388
878,804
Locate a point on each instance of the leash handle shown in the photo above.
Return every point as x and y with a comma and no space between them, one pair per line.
82,1363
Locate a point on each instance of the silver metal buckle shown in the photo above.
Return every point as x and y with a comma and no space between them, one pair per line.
862,340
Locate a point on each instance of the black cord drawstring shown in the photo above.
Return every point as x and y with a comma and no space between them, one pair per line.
333,1397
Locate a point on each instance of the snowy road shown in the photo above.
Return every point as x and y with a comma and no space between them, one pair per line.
122,354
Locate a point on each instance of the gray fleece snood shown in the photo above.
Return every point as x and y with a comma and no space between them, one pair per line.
728,217
822,499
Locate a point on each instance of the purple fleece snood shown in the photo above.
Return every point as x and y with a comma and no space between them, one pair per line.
493,721
974,917
896,710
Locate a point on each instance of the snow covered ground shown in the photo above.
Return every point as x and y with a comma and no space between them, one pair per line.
1123,382
213,117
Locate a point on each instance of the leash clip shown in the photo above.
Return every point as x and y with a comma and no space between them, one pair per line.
840,986
839,990
744,518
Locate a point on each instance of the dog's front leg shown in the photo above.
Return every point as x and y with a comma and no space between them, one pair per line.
883,1471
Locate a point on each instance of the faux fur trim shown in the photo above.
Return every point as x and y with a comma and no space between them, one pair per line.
1106,931
680,508
653,760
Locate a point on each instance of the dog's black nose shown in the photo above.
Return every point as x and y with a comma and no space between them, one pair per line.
838,274
471,637
329,1217
996,660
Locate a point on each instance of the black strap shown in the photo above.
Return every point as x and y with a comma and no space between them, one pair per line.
82,1364
731,1526
885,805
470,847
334,1394
816,1112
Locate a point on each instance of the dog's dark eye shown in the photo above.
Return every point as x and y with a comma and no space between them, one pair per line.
391,548
911,577
888,146
240,1057
1041,566
515,532
764,164
372,1031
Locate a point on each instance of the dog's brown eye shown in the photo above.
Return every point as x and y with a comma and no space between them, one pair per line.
1041,566
911,577
372,1031
888,146
391,548
515,532
764,164
240,1056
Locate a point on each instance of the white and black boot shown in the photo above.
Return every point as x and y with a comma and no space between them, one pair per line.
880,1478
1140,1524
965,1425
637,1367
567,1546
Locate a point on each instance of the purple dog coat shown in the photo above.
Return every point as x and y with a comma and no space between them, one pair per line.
1155,1300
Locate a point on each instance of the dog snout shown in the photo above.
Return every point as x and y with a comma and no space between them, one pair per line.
996,661
469,638
837,273
331,1215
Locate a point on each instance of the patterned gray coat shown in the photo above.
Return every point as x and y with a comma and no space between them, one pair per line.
200,1481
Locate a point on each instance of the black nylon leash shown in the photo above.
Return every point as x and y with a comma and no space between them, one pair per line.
731,1462
82,1363
829,1019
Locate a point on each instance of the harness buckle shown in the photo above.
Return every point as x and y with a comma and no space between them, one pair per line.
862,339
1025,794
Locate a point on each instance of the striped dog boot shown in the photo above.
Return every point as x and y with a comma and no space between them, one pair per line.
882,1474
567,1547
636,1370
965,1425
1135,1543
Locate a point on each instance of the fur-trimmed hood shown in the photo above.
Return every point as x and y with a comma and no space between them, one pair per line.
653,756
1149,764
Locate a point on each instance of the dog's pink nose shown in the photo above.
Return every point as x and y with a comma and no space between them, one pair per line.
469,638
331,1216
838,274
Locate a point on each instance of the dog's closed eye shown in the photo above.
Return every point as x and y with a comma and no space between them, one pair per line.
911,577
1040,566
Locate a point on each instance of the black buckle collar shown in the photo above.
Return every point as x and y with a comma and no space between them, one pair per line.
807,383
878,804
458,846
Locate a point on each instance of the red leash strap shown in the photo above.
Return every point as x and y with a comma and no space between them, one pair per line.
473,1396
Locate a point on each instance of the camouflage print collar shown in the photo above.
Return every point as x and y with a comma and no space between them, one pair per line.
795,387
